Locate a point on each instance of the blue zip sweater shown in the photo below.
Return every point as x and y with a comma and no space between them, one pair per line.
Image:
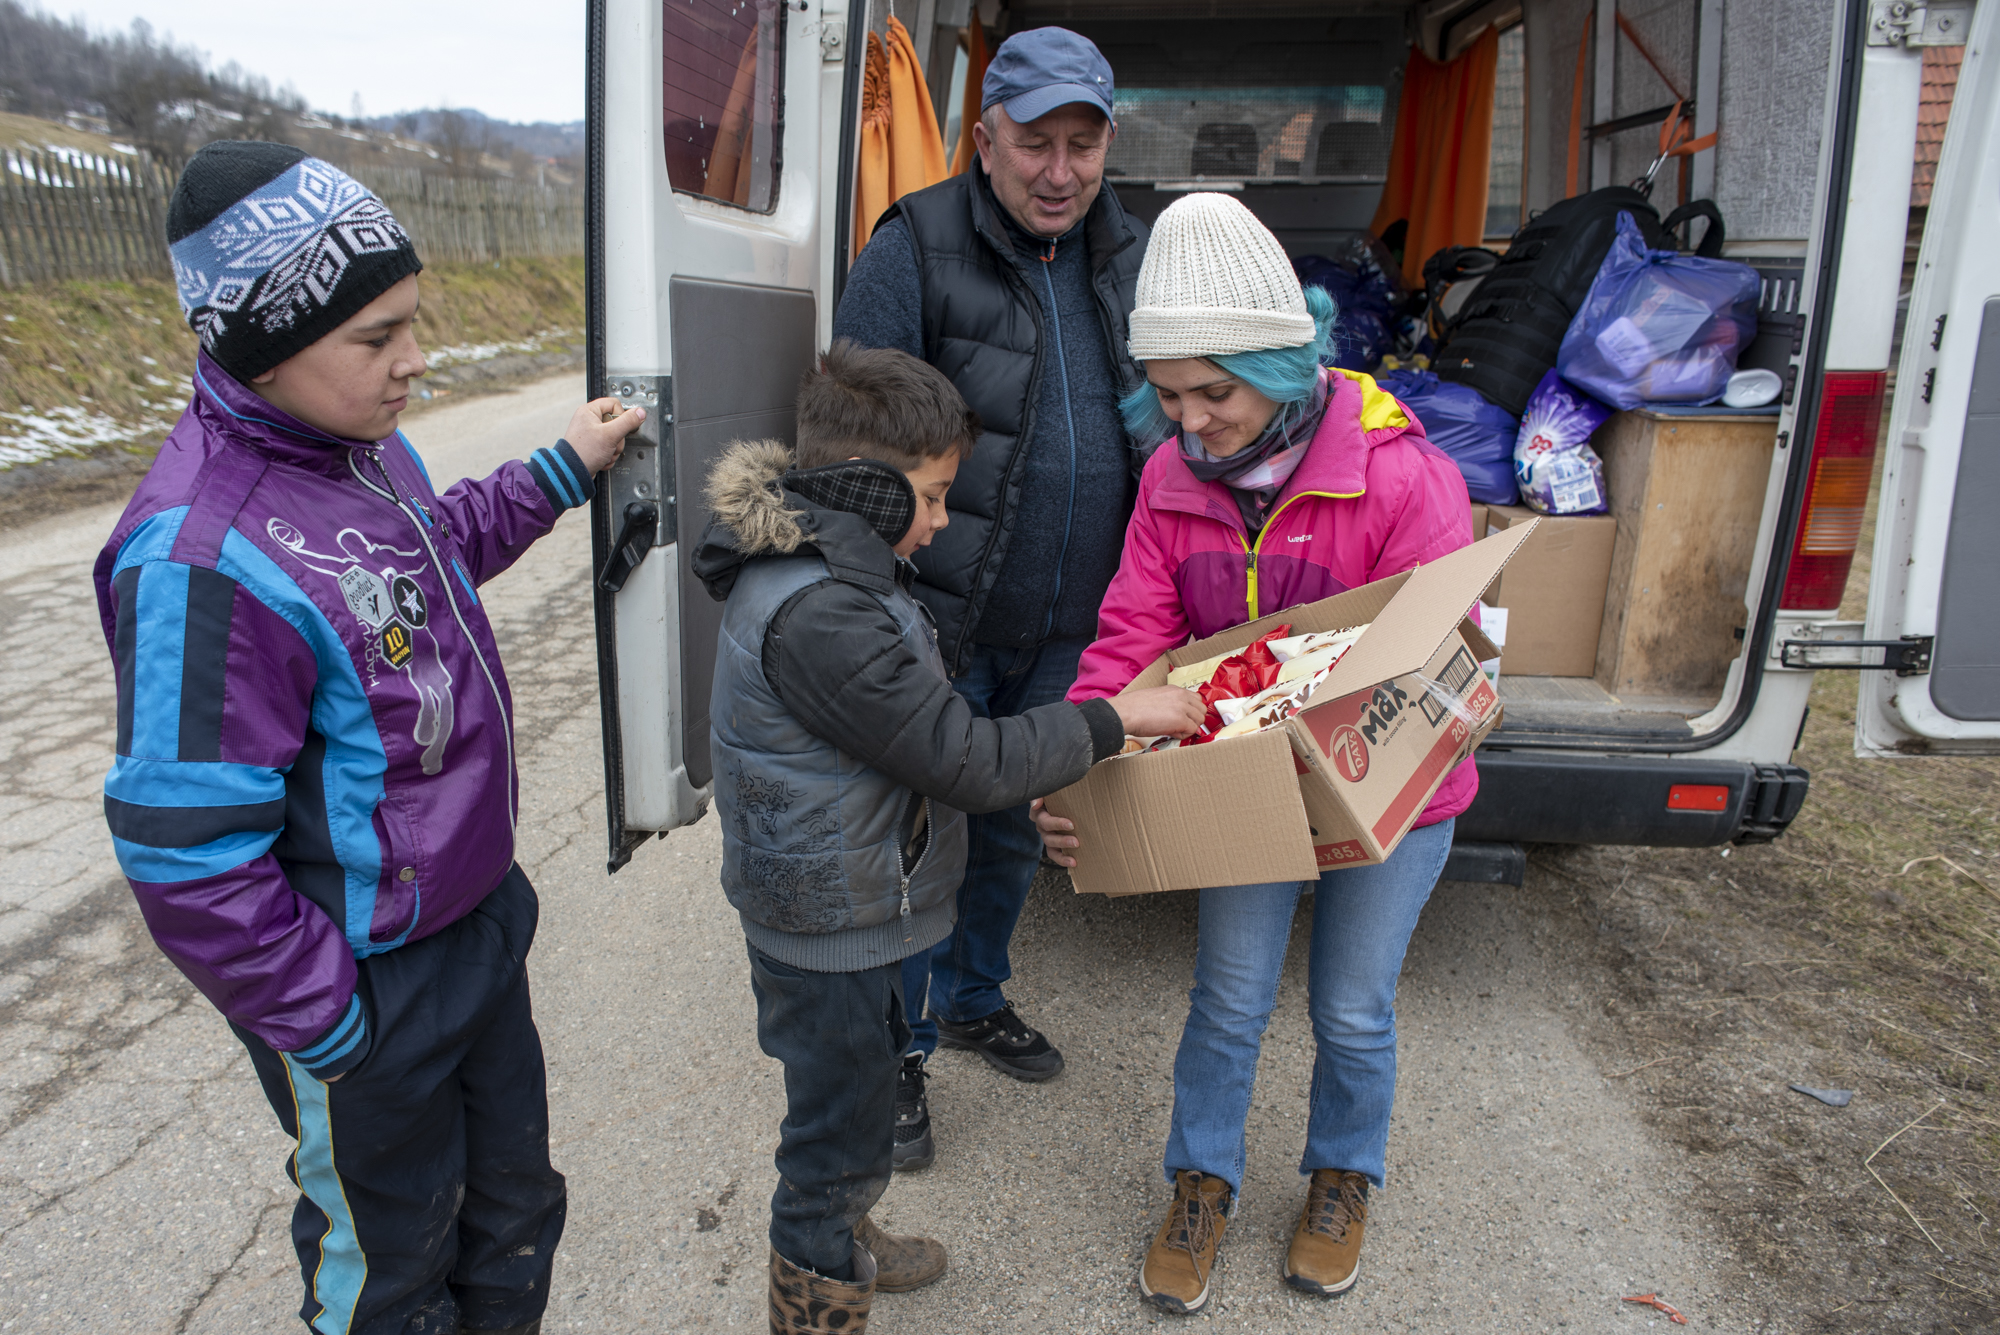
1069,530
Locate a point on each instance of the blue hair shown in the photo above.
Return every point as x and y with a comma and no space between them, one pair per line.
1285,376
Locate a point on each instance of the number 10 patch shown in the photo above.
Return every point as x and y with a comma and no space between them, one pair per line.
395,644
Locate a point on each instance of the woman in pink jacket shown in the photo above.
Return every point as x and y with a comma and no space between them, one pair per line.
1279,483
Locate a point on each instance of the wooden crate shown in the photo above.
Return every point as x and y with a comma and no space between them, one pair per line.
1687,493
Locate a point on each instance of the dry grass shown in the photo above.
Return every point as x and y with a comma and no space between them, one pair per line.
1860,951
504,301
100,344
94,374
103,344
121,348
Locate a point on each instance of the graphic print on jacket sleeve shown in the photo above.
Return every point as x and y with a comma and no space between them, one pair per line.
389,602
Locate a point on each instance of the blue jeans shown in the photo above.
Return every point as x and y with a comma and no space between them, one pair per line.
1362,920
841,1038
962,974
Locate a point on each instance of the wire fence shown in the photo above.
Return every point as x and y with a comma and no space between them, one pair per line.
68,214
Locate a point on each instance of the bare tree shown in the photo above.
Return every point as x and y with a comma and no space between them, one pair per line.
460,144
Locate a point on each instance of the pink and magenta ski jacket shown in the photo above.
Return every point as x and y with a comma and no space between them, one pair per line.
1372,498
315,754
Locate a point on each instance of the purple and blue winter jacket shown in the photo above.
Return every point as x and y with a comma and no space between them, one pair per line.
315,740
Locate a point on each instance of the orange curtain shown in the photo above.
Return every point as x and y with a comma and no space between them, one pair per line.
728,174
975,80
1441,154
901,148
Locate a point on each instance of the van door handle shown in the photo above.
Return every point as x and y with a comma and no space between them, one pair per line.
635,539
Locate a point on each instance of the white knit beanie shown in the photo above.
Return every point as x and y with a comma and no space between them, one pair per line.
1215,281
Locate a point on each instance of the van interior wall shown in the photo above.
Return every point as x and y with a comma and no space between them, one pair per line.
1775,58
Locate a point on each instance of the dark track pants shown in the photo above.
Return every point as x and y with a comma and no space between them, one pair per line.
841,1037
427,1198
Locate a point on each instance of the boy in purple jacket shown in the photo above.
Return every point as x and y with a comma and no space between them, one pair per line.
314,794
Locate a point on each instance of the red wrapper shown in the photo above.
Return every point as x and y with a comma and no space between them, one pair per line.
1238,676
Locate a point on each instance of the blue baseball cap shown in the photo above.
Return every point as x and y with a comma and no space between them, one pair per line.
1035,72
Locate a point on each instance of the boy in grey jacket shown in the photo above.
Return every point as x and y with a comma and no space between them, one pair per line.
844,766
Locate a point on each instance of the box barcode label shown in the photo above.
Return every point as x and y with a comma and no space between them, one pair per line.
1459,672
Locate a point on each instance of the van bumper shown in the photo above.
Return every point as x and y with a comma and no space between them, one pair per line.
1557,797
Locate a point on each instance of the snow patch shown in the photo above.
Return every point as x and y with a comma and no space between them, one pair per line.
479,352
29,436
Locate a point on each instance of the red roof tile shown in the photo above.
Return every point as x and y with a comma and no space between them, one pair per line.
1940,82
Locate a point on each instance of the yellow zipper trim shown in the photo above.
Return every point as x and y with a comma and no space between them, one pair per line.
1254,552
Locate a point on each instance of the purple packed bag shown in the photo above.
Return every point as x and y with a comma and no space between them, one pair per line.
1558,472
1658,326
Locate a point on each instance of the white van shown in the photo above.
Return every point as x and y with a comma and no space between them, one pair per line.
721,197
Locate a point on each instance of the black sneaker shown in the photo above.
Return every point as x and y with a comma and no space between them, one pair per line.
1006,1043
914,1148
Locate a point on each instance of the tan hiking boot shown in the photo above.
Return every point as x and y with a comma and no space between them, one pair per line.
1325,1256
1178,1264
805,1303
901,1263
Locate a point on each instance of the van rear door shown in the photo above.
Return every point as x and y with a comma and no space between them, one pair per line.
1934,591
710,237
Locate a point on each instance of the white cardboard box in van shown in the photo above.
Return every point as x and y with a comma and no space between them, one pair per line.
1337,784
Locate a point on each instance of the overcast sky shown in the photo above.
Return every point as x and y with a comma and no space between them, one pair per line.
517,60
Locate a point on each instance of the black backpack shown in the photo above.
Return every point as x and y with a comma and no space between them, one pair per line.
1506,338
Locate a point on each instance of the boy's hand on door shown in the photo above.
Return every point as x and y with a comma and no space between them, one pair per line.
597,433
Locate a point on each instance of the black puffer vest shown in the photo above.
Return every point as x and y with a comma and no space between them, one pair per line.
983,329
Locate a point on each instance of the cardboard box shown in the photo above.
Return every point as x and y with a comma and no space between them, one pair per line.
1340,782
1553,591
1478,520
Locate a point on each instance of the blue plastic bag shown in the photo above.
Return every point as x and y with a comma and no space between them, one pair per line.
1558,472
1479,436
1364,293
1658,326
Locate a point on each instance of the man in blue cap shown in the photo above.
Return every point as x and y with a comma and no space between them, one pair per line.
1015,279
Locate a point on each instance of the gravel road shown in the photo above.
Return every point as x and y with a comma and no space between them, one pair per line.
142,1183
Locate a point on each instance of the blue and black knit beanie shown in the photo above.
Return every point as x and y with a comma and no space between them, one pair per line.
274,249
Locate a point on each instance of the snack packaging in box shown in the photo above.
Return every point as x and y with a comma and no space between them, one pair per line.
1337,784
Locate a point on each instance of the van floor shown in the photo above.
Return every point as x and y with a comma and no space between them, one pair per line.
1536,704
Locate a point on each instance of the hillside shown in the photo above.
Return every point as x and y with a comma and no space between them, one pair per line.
137,90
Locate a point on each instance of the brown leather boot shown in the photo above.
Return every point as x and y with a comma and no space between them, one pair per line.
1178,1264
901,1263
1325,1256
802,1301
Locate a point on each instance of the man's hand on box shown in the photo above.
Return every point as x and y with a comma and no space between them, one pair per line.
1160,711
597,432
1056,836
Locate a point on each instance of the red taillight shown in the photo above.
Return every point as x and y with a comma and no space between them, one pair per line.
1850,414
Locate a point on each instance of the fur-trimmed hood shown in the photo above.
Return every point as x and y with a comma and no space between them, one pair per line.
754,513
745,496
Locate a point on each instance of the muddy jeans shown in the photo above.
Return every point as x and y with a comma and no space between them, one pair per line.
841,1037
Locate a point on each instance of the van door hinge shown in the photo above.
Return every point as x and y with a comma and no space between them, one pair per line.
1919,22
833,39
1907,657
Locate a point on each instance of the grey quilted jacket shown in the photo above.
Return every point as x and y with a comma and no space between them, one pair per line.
844,761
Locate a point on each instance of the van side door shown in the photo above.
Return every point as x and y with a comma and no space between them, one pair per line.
1935,582
711,228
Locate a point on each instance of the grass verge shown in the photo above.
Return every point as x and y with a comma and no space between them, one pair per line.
94,374
1861,951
